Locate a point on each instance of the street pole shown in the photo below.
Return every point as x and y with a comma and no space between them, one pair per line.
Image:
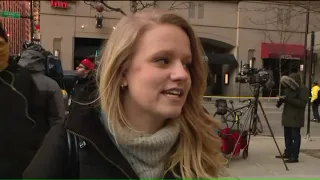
306,45
30,17
309,86
31,20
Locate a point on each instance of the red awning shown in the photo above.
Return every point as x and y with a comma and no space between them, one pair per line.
283,51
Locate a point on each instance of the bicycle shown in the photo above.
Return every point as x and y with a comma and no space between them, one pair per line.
233,115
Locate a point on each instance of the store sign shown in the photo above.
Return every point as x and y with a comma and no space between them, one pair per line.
285,56
288,56
59,4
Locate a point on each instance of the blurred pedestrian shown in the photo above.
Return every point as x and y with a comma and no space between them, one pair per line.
85,88
295,99
315,100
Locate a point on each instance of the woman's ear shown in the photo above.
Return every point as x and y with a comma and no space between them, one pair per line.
123,74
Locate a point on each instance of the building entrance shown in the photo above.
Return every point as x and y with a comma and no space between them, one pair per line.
85,48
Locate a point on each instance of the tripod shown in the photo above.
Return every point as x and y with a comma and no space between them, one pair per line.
252,119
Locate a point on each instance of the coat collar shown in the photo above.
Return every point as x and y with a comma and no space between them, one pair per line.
85,121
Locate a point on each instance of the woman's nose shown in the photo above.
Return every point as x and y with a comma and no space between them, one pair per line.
180,72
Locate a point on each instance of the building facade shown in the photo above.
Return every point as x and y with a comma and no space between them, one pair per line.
18,30
36,20
231,33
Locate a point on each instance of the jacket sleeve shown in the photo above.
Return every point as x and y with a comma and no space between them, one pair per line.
299,101
51,159
314,93
56,107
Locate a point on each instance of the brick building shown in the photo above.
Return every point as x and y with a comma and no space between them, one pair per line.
18,30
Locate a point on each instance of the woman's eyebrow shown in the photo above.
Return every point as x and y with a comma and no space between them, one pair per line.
163,53
168,52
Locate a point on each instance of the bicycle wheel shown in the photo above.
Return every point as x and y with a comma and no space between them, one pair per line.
257,126
229,118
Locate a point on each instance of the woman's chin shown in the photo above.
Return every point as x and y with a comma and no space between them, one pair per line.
172,113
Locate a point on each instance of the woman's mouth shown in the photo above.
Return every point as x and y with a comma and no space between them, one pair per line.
174,92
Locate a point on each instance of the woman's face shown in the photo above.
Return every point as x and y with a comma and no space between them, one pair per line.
158,78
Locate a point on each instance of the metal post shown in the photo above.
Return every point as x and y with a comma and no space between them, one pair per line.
306,45
31,20
309,84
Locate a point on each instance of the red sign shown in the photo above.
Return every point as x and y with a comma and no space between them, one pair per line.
59,4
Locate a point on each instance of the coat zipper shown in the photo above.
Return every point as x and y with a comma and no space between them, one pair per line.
96,147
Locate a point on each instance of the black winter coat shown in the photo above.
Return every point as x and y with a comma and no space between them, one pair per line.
19,140
49,103
21,136
98,156
84,91
293,114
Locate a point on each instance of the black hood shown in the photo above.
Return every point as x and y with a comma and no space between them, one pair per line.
33,60
293,81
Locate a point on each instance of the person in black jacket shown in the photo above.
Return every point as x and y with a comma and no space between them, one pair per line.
295,99
21,128
149,121
85,88
49,103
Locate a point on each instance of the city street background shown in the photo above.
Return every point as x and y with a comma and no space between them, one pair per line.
261,162
274,118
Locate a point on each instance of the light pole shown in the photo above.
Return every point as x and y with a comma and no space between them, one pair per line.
309,83
305,45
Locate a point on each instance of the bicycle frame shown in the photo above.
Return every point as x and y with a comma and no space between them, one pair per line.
234,113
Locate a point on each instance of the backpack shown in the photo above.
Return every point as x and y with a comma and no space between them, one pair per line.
54,67
52,64
222,106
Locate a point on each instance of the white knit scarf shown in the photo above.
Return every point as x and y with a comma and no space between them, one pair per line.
147,153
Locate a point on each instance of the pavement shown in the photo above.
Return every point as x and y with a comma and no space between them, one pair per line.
261,162
211,99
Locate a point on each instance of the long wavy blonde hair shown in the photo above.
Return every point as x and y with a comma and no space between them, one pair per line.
198,150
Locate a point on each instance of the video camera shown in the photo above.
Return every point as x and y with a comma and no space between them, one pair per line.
254,76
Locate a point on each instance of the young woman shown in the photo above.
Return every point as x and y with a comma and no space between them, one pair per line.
150,123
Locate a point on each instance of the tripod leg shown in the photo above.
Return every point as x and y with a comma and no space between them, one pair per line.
274,139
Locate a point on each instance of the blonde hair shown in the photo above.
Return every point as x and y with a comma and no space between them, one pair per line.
198,150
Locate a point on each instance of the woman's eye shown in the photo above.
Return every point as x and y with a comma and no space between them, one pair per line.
162,60
187,65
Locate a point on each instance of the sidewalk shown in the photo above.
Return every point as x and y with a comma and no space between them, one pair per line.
262,163
236,99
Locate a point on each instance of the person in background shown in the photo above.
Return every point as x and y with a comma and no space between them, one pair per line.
295,99
315,100
49,103
85,87
22,126
151,122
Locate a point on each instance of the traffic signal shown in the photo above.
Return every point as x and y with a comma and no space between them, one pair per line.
99,21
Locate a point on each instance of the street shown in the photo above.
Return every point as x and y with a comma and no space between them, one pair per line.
274,118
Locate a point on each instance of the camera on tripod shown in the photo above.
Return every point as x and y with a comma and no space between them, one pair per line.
253,76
